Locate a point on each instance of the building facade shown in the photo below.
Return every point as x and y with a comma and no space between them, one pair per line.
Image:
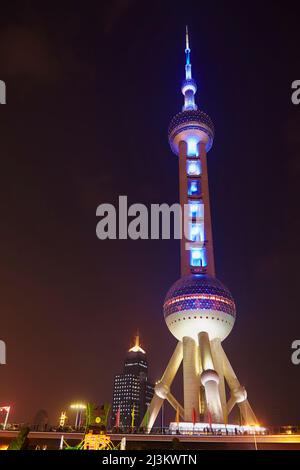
133,391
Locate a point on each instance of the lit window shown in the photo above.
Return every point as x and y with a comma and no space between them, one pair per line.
194,232
194,187
196,258
192,147
193,167
195,209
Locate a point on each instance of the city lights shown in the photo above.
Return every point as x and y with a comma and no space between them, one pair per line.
62,419
214,368
79,408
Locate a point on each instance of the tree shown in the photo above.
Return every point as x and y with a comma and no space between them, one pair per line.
96,416
21,441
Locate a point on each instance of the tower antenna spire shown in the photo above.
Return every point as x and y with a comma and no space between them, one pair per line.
187,47
137,338
189,86
188,65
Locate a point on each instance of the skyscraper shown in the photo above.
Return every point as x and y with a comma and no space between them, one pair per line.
198,309
132,390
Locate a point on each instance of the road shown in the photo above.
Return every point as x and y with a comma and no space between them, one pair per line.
260,439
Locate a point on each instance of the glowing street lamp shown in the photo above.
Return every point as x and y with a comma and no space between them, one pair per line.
79,407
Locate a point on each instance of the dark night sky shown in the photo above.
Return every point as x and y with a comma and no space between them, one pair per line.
90,93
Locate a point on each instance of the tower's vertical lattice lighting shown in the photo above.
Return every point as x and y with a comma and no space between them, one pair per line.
199,310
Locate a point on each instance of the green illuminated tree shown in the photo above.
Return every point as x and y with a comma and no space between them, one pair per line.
96,416
21,441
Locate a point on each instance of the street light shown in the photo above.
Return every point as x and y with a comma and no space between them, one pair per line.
79,407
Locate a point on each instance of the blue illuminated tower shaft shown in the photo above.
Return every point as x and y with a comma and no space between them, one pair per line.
191,134
197,254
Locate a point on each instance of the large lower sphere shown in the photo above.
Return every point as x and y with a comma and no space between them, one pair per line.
199,303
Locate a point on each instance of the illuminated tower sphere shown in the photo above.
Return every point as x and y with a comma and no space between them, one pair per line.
199,303
192,126
198,309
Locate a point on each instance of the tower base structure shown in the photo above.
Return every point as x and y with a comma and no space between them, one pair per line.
215,429
206,369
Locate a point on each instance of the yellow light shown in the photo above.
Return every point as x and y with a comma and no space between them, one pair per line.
97,442
78,406
62,419
137,346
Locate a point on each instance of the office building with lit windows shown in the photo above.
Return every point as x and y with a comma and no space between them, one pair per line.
132,390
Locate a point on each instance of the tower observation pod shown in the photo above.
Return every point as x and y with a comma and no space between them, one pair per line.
198,309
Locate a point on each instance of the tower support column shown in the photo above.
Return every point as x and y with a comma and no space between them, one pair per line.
175,404
162,388
190,379
238,393
210,380
218,363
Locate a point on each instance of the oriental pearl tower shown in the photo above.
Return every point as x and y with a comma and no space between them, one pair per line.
198,309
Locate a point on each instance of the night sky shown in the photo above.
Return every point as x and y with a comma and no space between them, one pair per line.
90,93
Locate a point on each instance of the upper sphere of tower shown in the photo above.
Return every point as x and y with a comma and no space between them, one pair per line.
192,125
